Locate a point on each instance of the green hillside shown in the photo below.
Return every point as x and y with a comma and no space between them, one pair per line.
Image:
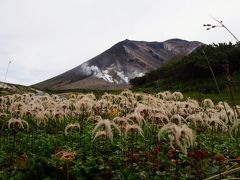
192,73
7,89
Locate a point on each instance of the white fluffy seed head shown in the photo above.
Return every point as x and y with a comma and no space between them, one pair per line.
71,126
18,122
106,126
180,136
100,134
133,128
207,103
177,96
177,119
235,128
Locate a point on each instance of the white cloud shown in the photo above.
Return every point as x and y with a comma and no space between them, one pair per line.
45,38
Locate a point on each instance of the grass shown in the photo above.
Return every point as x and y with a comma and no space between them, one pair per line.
97,92
214,97
15,88
198,95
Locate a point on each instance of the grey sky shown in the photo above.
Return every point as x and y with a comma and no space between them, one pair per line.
44,38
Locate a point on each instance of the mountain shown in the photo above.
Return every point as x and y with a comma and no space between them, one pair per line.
192,74
116,66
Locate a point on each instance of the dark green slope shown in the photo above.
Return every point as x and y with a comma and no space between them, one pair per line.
192,72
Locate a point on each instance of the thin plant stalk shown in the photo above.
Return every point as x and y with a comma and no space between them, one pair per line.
13,145
226,68
224,173
5,77
222,25
212,146
216,83
67,169
210,26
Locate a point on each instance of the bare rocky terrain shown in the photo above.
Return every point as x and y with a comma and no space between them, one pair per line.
113,68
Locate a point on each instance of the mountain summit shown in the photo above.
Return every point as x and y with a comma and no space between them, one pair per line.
116,66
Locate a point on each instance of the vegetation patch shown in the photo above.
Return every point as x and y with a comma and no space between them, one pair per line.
192,72
117,136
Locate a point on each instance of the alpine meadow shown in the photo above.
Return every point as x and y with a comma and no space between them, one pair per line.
119,90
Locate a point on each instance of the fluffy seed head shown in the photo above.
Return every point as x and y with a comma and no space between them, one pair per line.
71,126
180,136
17,122
133,128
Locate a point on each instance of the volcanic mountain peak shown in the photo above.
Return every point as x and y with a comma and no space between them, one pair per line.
117,65
181,47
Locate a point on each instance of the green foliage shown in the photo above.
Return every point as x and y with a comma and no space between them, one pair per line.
192,73
131,158
36,153
19,89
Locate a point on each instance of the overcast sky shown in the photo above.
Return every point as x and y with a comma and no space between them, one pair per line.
44,38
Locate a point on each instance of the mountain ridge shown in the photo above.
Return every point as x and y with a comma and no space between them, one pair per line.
192,74
125,60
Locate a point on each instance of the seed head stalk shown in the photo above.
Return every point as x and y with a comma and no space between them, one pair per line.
5,77
211,26
216,83
229,85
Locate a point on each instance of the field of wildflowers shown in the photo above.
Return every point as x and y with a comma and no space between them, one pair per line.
124,136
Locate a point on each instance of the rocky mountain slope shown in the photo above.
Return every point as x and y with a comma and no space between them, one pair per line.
116,66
